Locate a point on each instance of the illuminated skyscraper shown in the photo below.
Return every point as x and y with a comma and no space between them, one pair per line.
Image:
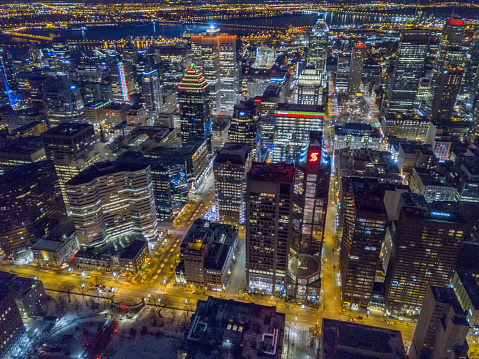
442,327
123,81
318,44
13,331
341,79
447,85
311,87
112,198
72,148
425,247
269,225
152,92
244,125
408,67
363,235
231,165
63,101
448,70
315,176
356,69
215,56
31,205
293,124
193,99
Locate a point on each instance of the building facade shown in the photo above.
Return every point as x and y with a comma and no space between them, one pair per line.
72,148
426,245
269,226
408,66
363,235
31,206
230,167
111,198
442,327
194,103
293,124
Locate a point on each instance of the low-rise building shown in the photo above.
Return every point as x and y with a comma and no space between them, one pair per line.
411,155
207,252
234,330
34,128
367,164
141,138
423,181
304,281
110,258
57,247
351,340
413,128
357,135
134,256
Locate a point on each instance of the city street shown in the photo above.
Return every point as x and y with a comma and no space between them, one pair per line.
158,276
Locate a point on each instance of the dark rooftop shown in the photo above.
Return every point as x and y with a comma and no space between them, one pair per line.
234,330
447,295
299,108
26,172
234,152
272,172
344,340
67,129
23,145
133,249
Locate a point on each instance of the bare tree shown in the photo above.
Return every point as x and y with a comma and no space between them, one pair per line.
67,287
160,301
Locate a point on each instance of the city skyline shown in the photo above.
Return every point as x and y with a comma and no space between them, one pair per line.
239,179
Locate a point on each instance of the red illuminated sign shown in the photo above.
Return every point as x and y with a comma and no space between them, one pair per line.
314,156
455,21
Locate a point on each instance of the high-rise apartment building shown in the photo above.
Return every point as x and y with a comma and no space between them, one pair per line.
356,70
152,92
215,56
363,235
194,102
110,199
244,126
408,67
230,167
269,225
318,44
72,148
426,245
293,124
442,327
31,205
